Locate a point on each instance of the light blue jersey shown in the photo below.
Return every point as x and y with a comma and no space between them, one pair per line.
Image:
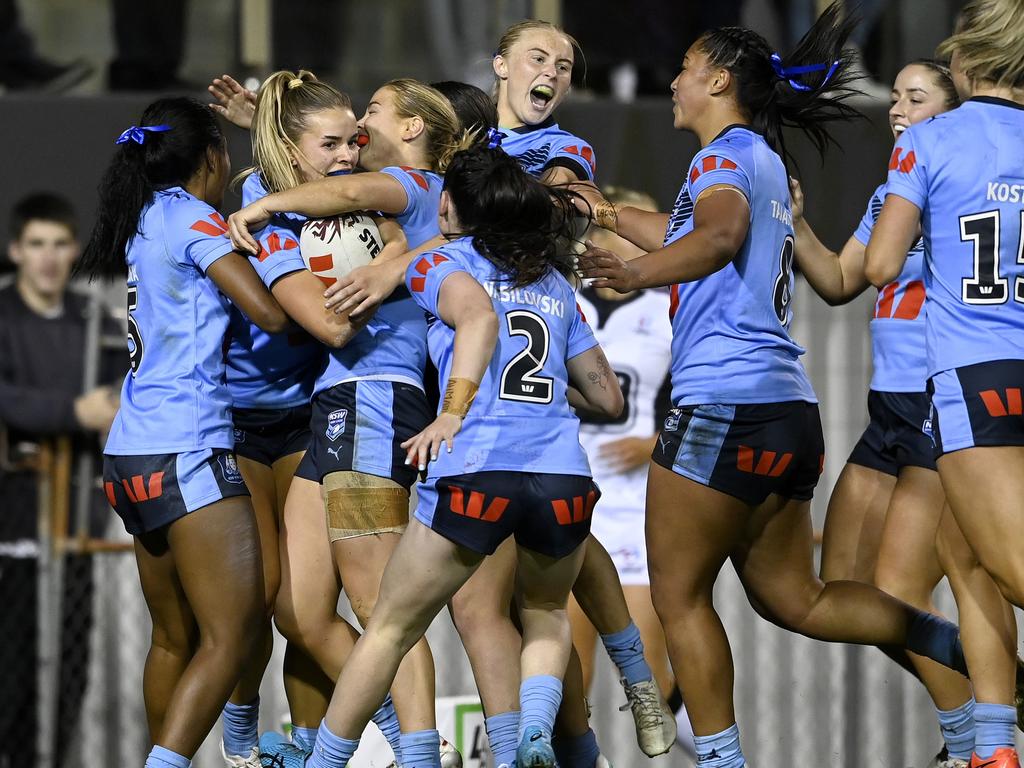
544,146
393,345
965,170
897,327
730,338
174,399
520,420
272,370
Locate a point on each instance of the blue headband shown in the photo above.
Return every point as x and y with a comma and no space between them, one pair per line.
493,137
138,134
788,73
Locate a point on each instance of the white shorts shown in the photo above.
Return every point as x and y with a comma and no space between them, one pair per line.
621,531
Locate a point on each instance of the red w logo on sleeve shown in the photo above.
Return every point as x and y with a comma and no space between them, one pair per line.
711,163
424,265
216,229
903,164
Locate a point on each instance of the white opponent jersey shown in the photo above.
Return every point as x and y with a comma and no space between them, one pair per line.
636,335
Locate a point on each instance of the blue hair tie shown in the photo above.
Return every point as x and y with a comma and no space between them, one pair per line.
138,134
788,73
493,137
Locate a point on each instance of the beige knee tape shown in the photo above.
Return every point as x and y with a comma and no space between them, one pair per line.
362,505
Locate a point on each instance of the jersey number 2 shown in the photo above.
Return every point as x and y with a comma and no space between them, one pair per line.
135,347
519,380
986,286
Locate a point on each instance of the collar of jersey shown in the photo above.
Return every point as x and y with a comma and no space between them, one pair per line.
531,128
997,101
730,127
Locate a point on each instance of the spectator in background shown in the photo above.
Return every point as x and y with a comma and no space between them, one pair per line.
22,68
42,360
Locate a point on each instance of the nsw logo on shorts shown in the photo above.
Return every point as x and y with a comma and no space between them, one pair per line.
672,420
336,424
229,468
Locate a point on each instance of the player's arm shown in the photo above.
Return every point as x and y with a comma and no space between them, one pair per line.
237,280
594,386
324,197
895,231
462,304
300,293
365,287
645,229
721,219
837,277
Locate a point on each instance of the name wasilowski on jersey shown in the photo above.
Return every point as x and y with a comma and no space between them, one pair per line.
636,336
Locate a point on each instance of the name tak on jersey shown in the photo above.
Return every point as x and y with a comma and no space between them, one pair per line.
1001,192
506,295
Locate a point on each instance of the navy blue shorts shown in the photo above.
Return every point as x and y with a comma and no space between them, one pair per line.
358,426
549,514
149,492
265,435
978,405
746,451
896,436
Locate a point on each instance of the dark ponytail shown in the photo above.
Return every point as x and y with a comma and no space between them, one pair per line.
805,90
163,159
516,222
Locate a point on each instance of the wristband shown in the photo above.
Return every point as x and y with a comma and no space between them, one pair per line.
606,216
458,397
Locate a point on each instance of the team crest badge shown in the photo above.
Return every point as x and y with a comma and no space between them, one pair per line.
336,423
672,420
229,468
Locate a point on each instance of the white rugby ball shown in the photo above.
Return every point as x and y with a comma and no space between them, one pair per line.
334,246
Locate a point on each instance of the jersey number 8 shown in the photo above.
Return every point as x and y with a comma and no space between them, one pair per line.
782,296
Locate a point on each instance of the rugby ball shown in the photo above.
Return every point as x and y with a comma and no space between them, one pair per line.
334,246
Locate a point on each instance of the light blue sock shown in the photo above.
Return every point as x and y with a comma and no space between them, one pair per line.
240,727
331,751
626,649
936,638
539,697
164,758
386,720
720,750
993,728
421,749
577,751
303,737
957,726
503,736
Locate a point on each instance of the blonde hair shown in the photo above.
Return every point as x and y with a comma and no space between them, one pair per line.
516,31
989,42
285,102
441,125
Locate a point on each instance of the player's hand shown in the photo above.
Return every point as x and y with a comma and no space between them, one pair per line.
627,453
95,410
585,196
234,102
608,270
364,288
796,198
426,445
241,223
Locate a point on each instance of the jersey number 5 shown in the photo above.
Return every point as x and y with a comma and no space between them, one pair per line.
987,286
135,346
519,380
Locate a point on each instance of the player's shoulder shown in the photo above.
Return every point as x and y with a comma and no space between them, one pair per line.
182,212
735,147
253,188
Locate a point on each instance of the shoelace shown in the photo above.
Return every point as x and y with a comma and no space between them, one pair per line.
275,760
644,703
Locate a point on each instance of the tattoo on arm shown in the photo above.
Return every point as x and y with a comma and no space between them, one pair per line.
600,376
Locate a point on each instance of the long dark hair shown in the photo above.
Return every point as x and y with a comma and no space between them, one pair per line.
163,159
516,222
472,105
774,96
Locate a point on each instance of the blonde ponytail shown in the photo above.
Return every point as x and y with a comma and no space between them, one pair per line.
989,42
441,125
